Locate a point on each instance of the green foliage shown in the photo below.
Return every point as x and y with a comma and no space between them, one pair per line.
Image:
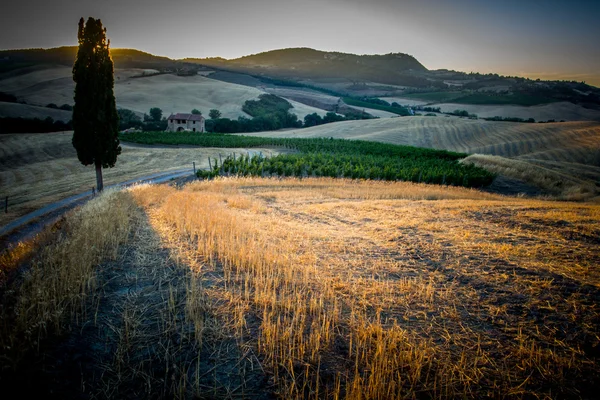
376,104
313,119
195,111
356,166
331,157
266,105
434,97
270,113
510,119
35,125
129,119
7,97
155,114
95,118
460,113
214,114
65,107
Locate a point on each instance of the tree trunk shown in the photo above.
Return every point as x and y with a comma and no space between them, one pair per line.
99,184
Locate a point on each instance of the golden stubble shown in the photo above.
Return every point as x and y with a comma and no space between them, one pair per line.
353,289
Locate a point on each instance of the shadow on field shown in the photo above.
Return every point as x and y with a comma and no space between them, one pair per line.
147,332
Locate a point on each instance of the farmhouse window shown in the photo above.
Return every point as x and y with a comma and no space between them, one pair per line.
194,122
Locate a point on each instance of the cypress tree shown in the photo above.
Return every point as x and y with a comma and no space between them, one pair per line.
95,117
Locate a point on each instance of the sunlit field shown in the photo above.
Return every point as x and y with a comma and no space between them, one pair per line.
312,288
41,168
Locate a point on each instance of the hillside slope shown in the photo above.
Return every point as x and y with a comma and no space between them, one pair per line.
138,90
305,63
553,156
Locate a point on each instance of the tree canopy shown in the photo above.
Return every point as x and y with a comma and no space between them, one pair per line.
214,114
156,114
95,118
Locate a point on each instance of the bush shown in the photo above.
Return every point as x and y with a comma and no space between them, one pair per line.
8,98
35,125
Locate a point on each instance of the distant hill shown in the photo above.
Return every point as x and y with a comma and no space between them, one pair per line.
11,60
338,74
305,63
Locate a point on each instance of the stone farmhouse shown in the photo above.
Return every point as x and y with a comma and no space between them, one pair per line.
185,122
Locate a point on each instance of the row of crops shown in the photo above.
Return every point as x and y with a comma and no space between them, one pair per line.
445,172
328,157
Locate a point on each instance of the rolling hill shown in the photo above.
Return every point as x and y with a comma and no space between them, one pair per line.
561,158
135,89
305,63
19,60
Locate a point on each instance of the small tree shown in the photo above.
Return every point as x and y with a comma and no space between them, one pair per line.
95,118
156,114
214,114
196,111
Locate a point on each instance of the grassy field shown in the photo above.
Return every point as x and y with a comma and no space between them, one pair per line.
37,169
515,98
479,98
178,93
560,149
313,288
554,111
40,168
17,110
335,158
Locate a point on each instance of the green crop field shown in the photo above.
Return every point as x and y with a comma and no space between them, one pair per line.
330,157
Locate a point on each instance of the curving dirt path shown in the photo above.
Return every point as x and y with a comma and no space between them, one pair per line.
28,225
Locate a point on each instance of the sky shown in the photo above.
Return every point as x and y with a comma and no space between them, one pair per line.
547,39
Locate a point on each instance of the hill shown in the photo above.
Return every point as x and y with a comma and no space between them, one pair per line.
561,158
305,63
135,89
13,60
395,75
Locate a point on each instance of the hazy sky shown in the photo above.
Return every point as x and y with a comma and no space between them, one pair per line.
554,39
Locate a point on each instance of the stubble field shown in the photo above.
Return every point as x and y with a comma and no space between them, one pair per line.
317,288
38,169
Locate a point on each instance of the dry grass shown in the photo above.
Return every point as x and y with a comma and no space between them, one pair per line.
61,275
363,290
37,169
18,110
177,93
553,111
565,185
314,288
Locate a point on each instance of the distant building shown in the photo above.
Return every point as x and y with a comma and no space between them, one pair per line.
185,122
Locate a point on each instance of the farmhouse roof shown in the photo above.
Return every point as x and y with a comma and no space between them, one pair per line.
187,117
